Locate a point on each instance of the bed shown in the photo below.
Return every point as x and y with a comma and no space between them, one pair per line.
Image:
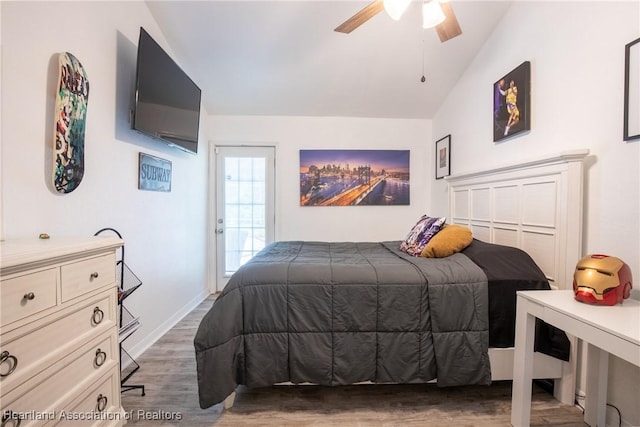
334,313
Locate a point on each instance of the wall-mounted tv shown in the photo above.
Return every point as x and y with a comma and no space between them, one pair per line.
167,101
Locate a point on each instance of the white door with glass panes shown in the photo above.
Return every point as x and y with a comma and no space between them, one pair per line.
244,206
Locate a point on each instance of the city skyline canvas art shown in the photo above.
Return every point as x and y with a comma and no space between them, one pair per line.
354,177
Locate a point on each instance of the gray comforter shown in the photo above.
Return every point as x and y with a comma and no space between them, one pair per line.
341,313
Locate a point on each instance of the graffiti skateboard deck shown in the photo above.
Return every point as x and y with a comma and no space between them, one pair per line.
72,97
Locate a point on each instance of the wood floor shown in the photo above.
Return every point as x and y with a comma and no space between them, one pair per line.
168,371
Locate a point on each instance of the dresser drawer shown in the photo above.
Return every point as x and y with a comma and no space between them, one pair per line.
59,385
26,295
34,350
87,275
99,407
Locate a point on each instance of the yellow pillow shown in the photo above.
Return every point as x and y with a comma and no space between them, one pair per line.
450,239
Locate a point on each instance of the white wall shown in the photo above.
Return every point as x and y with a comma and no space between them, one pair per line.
576,51
165,233
344,223
1,191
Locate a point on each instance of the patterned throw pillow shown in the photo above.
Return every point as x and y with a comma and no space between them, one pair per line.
420,234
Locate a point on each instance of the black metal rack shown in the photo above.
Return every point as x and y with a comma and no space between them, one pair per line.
128,282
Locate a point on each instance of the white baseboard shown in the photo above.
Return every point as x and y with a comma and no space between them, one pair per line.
141,346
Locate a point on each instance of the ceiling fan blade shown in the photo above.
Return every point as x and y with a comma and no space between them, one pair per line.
368,12
449,28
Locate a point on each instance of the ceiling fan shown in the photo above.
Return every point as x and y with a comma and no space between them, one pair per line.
438,13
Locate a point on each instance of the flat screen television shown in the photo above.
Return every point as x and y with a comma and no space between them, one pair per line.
167,101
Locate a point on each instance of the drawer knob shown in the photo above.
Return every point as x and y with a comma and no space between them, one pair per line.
102,403
11,360
94,275
98,315
10,418
29,296
100,358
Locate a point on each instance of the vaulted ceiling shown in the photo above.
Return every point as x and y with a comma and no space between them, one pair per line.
283,57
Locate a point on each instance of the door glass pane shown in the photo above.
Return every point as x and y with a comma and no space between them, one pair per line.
259,173
245,191
245,216
231,190
245,180
258,193
232,214
258,213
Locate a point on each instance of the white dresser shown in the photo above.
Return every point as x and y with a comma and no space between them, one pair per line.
59,357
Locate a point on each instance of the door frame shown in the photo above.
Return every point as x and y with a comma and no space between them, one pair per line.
212,216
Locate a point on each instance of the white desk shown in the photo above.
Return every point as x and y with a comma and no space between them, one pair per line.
607,330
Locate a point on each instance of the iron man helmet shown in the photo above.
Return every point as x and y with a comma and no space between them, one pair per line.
601,279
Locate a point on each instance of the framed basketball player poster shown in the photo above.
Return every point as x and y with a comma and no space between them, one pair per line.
511,103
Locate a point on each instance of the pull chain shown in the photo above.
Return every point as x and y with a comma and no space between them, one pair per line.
423,78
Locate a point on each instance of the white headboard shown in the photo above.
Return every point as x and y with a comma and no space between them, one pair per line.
535,206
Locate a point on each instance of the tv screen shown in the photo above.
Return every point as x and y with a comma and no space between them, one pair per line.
167,104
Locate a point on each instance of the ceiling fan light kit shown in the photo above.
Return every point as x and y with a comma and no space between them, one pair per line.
435,13
432,13
395,8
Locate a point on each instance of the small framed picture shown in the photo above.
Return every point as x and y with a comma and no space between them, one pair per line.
443,157
511,102
632,91
154,173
